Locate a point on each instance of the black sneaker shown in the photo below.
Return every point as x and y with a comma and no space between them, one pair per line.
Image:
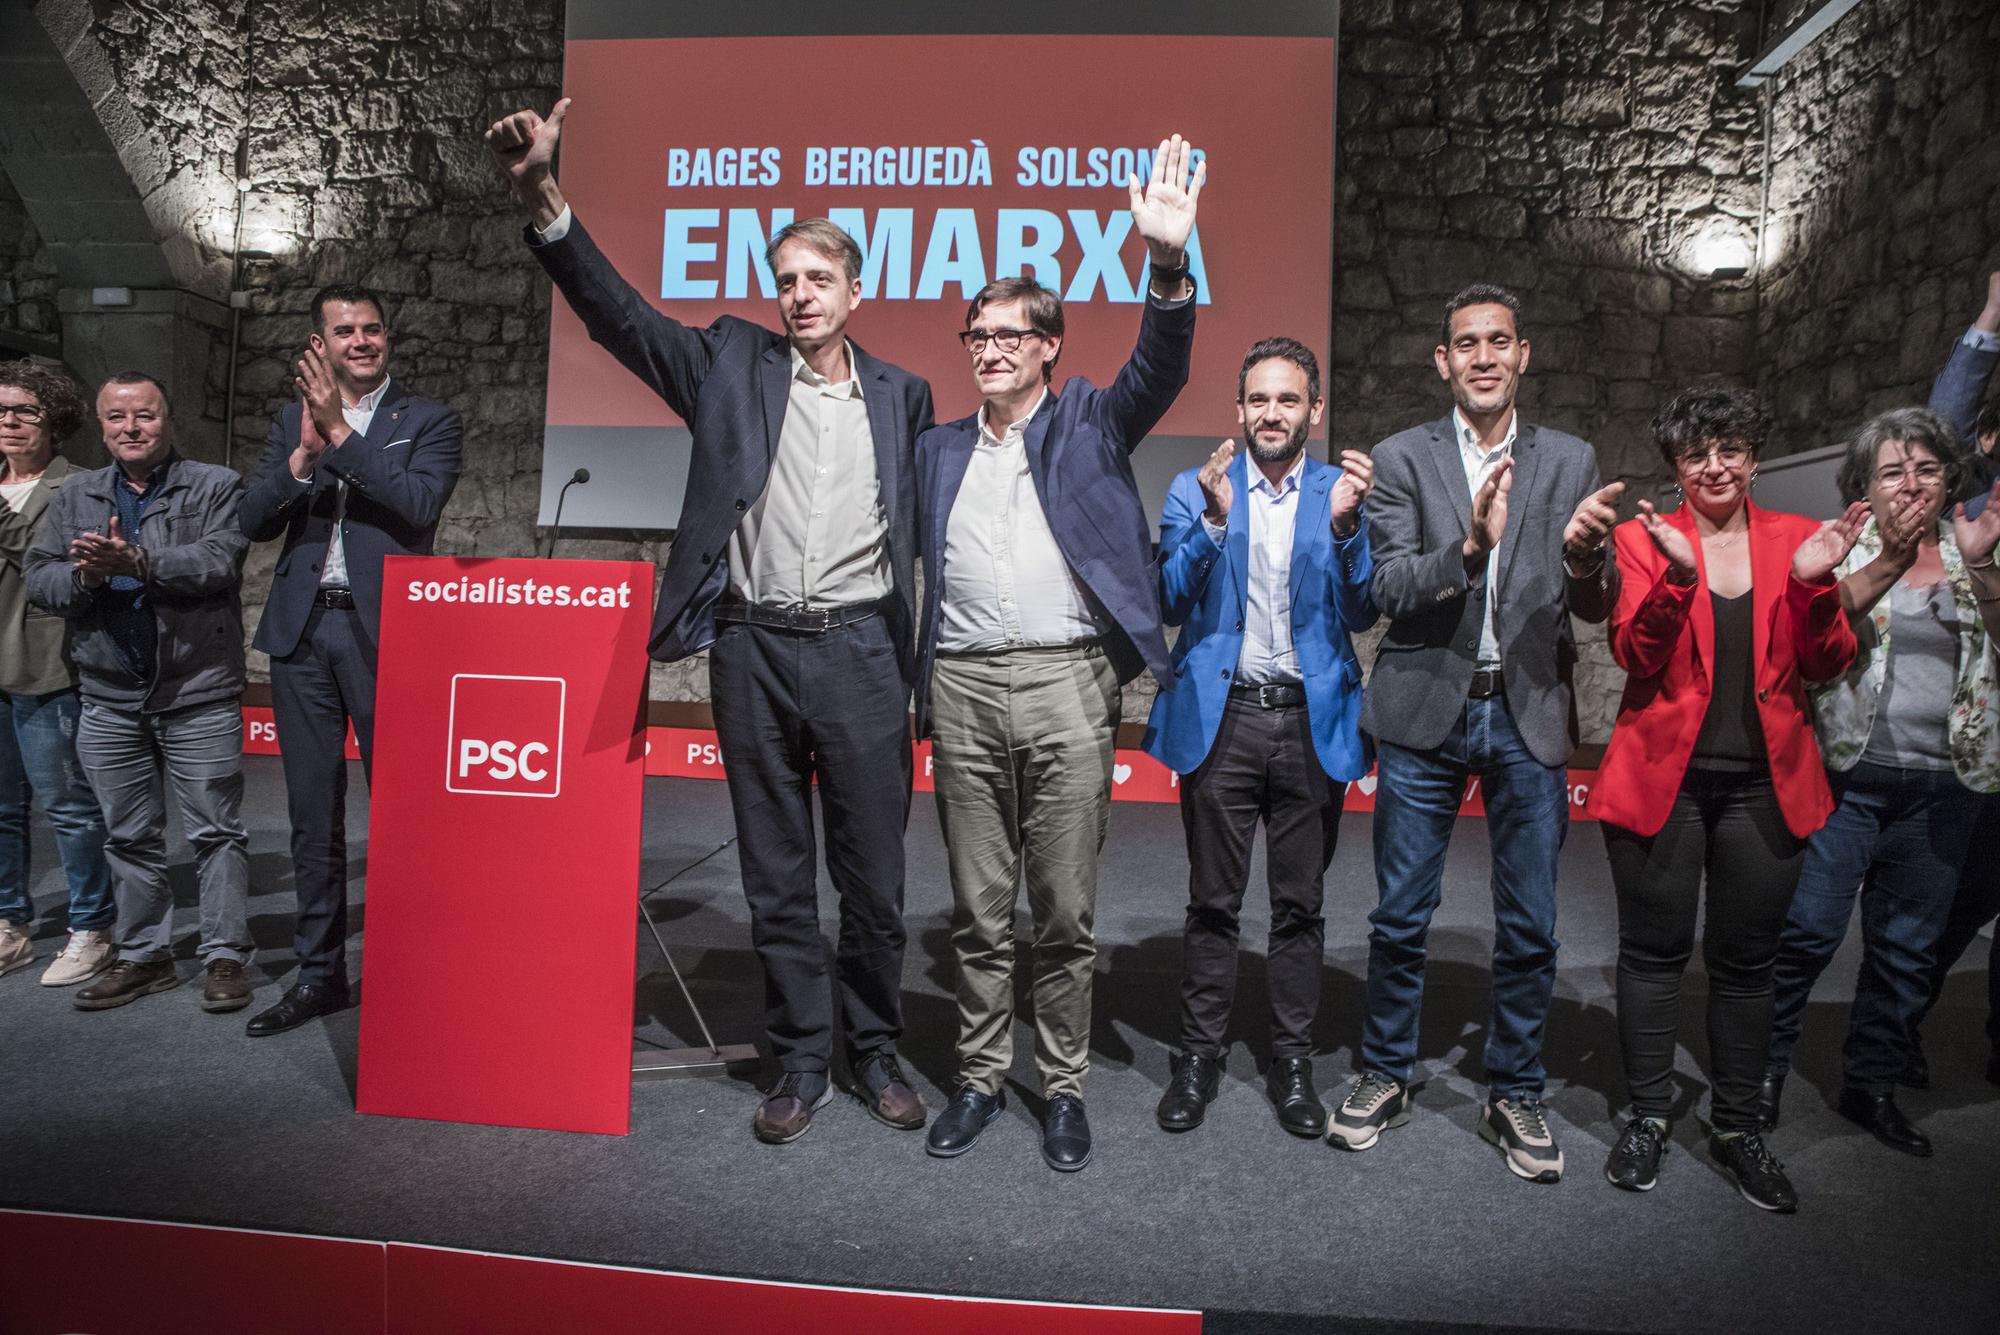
1517,1128
1759,1175
1634,1164
1373,1104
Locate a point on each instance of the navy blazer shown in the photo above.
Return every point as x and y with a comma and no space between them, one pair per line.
1205,590
731,383
1077,445
399,473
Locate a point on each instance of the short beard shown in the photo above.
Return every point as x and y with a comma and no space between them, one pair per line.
1294,445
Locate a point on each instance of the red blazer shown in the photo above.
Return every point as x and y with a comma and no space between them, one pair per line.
1664,638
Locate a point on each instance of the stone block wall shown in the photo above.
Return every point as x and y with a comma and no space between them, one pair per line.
27,277
1885,206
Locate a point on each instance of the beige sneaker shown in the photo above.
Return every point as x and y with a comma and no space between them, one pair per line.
1374,1104
87,955
17,948
1520,1131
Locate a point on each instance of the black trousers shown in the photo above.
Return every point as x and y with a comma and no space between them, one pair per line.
328,679
792,709
1725,829
1977,903
1262,767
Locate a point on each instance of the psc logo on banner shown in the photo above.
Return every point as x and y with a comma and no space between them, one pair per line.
505,736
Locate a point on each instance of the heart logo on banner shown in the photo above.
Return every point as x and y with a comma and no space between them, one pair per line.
1366,783
1120,773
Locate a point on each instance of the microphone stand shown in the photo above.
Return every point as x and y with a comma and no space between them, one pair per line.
555,528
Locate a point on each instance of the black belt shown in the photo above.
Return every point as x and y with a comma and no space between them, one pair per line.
1486,684
332,597
797,616
1271,694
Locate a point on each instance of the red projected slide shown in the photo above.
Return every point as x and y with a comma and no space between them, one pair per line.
951,160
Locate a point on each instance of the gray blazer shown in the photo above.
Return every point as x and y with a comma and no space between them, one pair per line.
1418,515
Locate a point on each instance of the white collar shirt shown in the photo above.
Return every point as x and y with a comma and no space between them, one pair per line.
1479,465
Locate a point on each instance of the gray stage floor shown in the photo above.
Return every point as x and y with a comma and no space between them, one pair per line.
159,1110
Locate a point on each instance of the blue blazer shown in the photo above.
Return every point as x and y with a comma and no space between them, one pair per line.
731,384
1077,445
399,473
1205,589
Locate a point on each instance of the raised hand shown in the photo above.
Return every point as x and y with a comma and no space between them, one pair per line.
1357,479
1163,209
99,556
523,146
1903,530
1827,548
319,399
1216,488
1593,521
1977,538
305,455
1489,512
1671,543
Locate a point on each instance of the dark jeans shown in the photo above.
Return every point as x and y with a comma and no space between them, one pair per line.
1895,839
1527,816
327,680
1976,903
792,709
38,756
1261,767
1725,830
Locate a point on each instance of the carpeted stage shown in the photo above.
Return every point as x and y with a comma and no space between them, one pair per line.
161,1111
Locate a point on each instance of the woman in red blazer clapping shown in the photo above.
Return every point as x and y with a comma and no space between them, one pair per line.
1712,772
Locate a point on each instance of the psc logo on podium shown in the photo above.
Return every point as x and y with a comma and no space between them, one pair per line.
505,736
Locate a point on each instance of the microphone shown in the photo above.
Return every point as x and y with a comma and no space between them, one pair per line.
555,528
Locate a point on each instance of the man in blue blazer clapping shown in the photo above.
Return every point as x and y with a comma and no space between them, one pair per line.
1266,570
1040,602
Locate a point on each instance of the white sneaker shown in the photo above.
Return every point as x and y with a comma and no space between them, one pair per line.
17,947
87,955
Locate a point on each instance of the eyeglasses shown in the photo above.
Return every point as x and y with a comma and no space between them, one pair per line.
1729,456
30,413
1894,474
1007,340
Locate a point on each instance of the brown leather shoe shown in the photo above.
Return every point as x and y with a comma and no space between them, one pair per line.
226,989
789,1105
887,1095
125,982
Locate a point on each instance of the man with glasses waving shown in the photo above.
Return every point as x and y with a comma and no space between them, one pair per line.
1041,601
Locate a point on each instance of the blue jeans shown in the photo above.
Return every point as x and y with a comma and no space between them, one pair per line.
1976,903
1527,816
38,756
1895,840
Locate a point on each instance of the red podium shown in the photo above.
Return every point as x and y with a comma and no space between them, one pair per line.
503,844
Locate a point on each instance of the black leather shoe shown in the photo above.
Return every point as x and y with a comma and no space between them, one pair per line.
1884,1120
959,1125
1192,1089
1768,1095
1065,1134
301,1002
1290,1083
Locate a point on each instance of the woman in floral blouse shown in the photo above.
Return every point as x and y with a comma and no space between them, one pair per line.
1911,734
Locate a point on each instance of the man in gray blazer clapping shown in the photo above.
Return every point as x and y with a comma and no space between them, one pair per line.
1488,534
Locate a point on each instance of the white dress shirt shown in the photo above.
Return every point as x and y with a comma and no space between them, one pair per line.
360,416
1479,465
1267,656
818,534
1006,585
1980,341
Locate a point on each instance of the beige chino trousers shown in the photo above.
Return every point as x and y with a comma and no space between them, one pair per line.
1022,742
